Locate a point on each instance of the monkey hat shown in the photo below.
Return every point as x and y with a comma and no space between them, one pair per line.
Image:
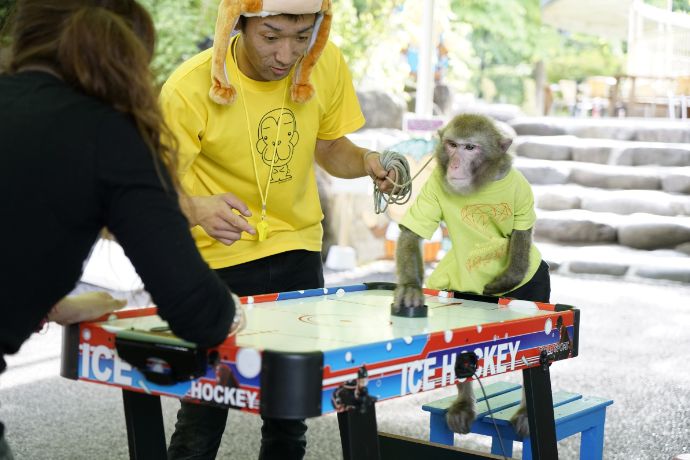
229,11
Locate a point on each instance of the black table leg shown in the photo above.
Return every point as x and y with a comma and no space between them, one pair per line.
542,428
358,434
144,420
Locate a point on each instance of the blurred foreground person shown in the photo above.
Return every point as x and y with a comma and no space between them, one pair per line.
82,150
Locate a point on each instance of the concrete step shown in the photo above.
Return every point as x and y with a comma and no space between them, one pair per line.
616,261
573,196
627,129
638,230
548,172
602,151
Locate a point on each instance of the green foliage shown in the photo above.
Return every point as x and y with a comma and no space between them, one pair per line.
495,41
504,35
358,27
582,56
182,26
509,38
681,5
676,5
5,8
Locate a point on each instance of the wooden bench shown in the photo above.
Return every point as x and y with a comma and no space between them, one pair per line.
573,413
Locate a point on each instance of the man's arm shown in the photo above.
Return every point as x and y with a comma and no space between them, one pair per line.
341,158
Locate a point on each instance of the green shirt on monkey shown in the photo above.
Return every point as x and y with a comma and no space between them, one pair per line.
231,148
482,223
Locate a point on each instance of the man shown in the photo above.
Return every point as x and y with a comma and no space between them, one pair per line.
247,152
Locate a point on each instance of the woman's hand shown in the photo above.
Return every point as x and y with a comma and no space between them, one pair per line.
84,307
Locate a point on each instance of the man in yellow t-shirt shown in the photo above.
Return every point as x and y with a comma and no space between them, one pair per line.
247,168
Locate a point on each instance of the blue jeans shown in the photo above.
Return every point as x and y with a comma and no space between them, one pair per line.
199,428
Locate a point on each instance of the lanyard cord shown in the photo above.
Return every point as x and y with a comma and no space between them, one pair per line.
262,226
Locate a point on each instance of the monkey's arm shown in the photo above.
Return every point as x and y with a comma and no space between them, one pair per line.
410,269
518,263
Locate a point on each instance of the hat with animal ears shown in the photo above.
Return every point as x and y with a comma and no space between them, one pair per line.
229,11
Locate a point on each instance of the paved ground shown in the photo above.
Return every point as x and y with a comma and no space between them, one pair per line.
634,350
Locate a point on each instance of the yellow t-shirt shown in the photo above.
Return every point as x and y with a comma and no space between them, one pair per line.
220,147
479,227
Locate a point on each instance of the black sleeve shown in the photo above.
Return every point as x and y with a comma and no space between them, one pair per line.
146,219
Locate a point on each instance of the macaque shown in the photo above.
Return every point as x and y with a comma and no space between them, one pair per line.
488,209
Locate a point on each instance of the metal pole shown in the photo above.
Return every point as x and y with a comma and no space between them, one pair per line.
425,76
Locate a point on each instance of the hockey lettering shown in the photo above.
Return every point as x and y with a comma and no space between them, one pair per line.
220,394
497,358
420,375
415,376
102,364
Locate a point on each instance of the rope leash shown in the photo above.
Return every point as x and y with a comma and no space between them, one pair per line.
401,193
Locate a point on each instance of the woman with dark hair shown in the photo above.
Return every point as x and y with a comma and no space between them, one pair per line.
84,147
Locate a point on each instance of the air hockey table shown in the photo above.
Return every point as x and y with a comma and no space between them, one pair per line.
307,353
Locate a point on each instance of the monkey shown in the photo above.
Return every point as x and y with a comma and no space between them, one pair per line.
488,208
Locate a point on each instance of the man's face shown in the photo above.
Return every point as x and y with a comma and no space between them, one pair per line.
270,46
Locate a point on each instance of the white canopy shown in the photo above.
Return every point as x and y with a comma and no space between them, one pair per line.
604,18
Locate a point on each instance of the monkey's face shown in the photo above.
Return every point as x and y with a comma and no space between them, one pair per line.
463,159
471,154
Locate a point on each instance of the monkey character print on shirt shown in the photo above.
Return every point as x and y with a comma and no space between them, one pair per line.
277,139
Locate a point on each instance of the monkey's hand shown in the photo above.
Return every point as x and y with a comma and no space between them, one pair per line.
504,282
408,296
518,256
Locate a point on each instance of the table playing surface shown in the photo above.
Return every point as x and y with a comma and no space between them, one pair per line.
344,328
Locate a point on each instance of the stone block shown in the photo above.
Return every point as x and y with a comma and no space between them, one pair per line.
677,181
556,148
592,153
684,248
554,265
654,155
664,273
532,127
656,133
381,109
598,268
653,235
629,202
544,173
574,230
615,178
602,131
553,201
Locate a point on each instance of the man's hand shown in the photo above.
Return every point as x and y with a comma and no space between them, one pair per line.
373,167
216,216
84,307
